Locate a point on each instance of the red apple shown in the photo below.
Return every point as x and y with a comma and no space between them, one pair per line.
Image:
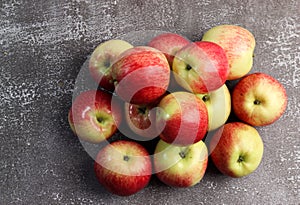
258,99
238,44
123,167
180,166
93,116
169,44
201,67
102,58
141,120
236,149
142,75
182,117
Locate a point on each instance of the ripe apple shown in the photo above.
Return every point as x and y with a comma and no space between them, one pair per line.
180,166
70,120
169,44
218,103
141,120
258,99
238,44
201,67
123,167
236,149
102,58
93,117
142,75
182,117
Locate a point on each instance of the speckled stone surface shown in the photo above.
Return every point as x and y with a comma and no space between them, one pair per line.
42,47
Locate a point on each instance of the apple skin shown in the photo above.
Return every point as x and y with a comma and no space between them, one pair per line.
169,44
142,75
182,117
201,67
180,166
218,104
102,58
238,44
258,99
236,149
123,167
141,120
94,117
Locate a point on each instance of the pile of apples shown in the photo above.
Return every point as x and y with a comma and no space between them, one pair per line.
174,90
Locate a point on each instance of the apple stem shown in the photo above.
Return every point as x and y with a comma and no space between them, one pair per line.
126,158
107,63
100,119
240,159
182,154
142,110
188,67
205,98
256,102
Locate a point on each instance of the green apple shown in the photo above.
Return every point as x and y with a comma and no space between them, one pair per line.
236,149
258,99
180,166
218,105
238,44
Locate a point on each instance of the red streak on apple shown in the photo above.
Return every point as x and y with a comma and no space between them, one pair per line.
123,167
94,116
169,44
185,122
142,75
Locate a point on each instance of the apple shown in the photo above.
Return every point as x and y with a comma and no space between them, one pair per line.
70,120
218,104
259,99
236,149
182,117
142,75
93,117
180,166
102,58
123,167
238,44
201,67
169,44
141,120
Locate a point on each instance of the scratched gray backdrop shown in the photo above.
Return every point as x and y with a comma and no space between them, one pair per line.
42,47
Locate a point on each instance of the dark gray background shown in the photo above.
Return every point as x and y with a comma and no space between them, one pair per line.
44,44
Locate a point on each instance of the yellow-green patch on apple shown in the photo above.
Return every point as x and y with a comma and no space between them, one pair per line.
218,105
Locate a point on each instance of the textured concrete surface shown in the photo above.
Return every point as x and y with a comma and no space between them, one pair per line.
42,47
